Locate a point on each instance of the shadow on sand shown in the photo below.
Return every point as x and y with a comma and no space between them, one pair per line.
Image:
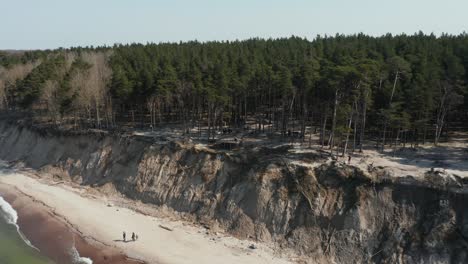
123,241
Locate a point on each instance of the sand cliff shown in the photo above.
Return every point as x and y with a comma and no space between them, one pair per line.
328,212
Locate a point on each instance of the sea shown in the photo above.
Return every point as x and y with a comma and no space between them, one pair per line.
14,246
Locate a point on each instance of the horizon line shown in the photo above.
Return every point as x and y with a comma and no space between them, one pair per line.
306,38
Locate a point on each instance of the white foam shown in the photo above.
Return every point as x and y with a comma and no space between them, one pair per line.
9,213
11,217
76,259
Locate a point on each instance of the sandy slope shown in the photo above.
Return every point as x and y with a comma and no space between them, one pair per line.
450,157
94,218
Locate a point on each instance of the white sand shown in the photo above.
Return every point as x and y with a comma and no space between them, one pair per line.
93,217
452,160
450,157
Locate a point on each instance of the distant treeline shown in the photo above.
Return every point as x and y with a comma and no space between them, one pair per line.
390,88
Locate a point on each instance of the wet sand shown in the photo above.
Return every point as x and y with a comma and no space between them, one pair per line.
55,238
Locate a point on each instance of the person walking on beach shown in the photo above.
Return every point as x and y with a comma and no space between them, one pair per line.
124,237
133,236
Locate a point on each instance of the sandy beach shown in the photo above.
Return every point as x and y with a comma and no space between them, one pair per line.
101,222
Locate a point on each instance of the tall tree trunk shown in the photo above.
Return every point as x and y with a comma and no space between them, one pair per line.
98,117
283,119
324,126
332,132
347,134
390,105
310,132
441,112
209,121
355,125
304,116
396,142
270,109
363,124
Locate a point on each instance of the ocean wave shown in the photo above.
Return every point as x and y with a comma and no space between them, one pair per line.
11,217
76,259
9,214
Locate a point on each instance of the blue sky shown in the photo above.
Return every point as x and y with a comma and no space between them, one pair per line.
33,24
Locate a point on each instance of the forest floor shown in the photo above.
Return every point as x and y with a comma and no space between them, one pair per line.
449,157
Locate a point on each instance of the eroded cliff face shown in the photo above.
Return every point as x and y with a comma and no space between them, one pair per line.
329,212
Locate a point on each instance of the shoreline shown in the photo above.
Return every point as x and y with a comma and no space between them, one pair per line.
53,237
98,226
